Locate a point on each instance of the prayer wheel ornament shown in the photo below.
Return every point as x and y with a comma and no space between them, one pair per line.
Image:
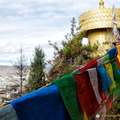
98,25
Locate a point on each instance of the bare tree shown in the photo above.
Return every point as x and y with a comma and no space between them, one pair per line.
20,66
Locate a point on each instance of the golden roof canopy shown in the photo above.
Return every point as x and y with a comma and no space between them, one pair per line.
98,18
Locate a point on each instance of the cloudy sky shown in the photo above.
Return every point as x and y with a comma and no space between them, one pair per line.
33,22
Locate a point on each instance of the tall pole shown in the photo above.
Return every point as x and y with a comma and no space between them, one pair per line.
115,30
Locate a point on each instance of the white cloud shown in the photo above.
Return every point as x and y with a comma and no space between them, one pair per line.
32,22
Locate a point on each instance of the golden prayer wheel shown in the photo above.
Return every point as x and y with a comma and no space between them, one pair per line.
98,24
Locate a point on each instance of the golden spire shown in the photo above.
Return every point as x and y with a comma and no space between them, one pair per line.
101,3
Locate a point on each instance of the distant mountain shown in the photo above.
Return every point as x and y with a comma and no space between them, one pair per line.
6,70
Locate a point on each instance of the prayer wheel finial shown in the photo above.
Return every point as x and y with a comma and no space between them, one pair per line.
101,3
